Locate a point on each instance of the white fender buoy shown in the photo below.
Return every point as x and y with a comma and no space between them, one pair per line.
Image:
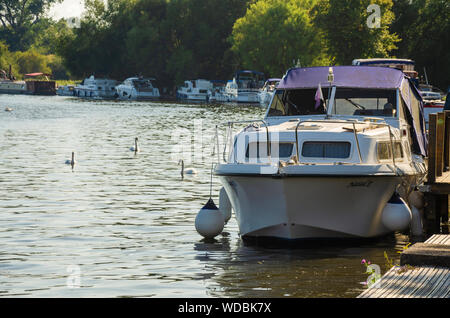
224,205
209,221
396,214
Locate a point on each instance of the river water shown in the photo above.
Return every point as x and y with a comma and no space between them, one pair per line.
121,224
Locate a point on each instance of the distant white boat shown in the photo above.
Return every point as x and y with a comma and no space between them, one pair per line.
266,93
217,93
195,90
65,90
97,88
137,88
245,86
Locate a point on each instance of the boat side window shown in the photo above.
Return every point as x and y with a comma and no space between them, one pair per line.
384,150
365,102
297,102
321,149
284,150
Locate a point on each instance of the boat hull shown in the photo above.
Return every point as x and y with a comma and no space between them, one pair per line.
304,207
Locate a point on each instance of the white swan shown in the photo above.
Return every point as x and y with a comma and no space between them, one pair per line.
184,171
135,149
71,162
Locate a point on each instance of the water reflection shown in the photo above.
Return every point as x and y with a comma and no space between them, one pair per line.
311,269
127,221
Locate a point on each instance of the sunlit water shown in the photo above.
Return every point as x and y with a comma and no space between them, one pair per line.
122,224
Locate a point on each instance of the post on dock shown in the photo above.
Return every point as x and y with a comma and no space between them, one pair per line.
437,186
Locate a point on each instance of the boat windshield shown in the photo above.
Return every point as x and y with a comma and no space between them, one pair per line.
364,102
298,102
347,101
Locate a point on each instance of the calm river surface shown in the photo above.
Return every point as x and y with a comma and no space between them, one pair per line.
122,224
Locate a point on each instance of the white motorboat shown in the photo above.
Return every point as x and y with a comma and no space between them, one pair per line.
9,84
328,167
195,90
137,88
96,88
217,93
65,90
244,87
266,93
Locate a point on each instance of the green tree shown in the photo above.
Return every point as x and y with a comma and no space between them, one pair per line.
7,59
349,32
274,33
429,39
17,17
198,31
32,61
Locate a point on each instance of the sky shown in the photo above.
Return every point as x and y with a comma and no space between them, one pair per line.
67,9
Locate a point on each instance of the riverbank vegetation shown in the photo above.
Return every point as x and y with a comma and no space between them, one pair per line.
175,40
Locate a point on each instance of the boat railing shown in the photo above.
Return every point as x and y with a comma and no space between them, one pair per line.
355,133
229,137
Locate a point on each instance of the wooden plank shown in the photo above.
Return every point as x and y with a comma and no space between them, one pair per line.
425,282
412,284
431,176
432,280
447,140
400,283
432,239
442,289
375,290
385,282
440,127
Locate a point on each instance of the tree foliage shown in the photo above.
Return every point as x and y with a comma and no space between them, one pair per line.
19,18
187,39
274,33
428,40
345,27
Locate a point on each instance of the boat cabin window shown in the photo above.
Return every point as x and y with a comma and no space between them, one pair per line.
320,149
258,150
365,102
384,150
298,102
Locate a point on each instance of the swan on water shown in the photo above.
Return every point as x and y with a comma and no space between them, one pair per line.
186,171
72,161
135,149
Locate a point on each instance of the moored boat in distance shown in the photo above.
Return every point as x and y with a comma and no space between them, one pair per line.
245,86
137,88
329,160
40,84
266,93
195,90
9,84
432,96
96,88
65,90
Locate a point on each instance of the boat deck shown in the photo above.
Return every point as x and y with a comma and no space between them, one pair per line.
430,278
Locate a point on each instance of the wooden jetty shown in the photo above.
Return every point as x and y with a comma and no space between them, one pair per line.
424,269
429,278
437,187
